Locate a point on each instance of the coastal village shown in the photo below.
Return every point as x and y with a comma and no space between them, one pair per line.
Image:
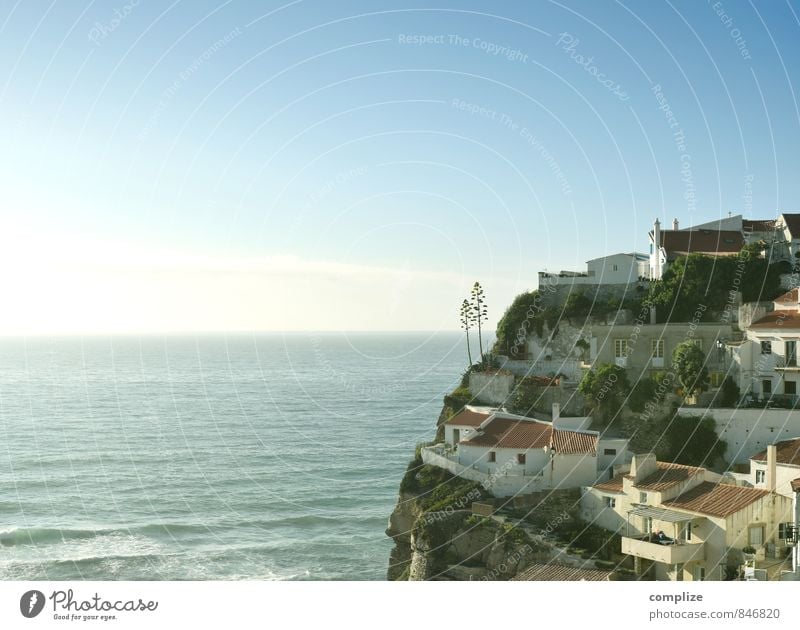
636,420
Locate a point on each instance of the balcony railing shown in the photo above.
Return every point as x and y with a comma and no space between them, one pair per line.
675,552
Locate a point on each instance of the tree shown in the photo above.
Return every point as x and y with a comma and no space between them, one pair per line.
688,363
729,393
645,390
693,441
605,390
466,320
479,312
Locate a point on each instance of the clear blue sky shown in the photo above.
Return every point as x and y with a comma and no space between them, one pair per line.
309,165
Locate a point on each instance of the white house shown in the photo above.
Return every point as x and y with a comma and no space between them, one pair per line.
512,454
681,523
767,358
622,268
777,468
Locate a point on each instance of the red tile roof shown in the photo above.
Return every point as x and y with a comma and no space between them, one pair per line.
710,242
612,485
527,434
788,320
787,452
667,476
559,573
468,418
573,442
507,433
716,499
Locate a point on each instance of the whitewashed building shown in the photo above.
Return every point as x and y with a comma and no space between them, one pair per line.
512,454
682,523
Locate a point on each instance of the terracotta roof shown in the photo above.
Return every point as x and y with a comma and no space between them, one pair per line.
789,320
505,433
793,223
759,225
795,484
666,476
573,442
612,485
788,298
716,499
711,242
787,452
559,573
468,418
527,434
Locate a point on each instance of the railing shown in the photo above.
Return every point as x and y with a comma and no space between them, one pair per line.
672,552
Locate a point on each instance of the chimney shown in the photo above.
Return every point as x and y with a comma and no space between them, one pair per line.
675,225
642,466
772,456
656,261
556,413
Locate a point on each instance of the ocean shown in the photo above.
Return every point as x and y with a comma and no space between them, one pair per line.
199,457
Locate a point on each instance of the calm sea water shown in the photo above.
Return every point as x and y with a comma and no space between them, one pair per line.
211,457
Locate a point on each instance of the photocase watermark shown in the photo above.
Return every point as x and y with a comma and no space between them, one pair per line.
727,22
742,259
337,181
67,607
185,74
490,48
569,44
510,561
461,503
99,31
534,309
679,138
523,132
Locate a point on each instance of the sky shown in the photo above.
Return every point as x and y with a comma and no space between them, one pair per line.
186,166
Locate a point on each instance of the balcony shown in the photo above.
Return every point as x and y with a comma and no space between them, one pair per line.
674,553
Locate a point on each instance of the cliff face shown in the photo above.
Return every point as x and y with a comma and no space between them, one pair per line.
438,537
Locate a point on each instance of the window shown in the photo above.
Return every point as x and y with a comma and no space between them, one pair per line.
521,459
790,387
686,534
657,352
642,497
755,535
647,524
717,378
761,476
609,451
611,502
621,352
456,436
492,457
766,347
657,348
614,268
766,386
791,353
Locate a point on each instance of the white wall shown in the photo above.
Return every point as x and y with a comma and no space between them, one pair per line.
614,269
465,432
748,431
784,474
